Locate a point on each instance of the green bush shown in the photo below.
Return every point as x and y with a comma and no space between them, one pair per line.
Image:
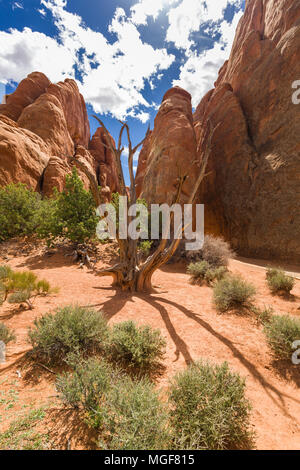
21,286
209,410
18,207
233,292
278,281
86,385
203,272
70,214
6,334
71,329
133,417
137,347
127,414
281,332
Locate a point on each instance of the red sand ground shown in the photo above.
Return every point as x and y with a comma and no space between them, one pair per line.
193,330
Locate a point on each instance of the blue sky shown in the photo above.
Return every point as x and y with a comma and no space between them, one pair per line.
124,54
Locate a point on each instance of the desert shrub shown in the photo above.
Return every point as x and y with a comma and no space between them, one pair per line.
127,414
263,315
203,272
133,417
49,227
18,206
281,332
137,347
71,213
233,292
6,334
278,281
18,287
71,329
216,251
86,386
209,409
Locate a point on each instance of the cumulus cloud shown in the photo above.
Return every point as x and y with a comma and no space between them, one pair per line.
149,8
200,70
113,75
22,52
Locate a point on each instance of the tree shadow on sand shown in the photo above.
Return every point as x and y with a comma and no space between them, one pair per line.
118,301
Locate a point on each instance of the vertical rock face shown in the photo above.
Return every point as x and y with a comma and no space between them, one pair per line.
104,160
170,150
252,194
41,124
23,155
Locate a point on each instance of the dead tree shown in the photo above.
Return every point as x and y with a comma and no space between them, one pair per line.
129,273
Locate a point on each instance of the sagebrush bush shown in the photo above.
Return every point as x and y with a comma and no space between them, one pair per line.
278,281
203,272
6,334
18,208
140,348
69,330
281,332
86,386
233,292
264,315
127,414
209,409
133,417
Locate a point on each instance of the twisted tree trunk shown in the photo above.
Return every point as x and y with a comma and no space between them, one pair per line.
129,274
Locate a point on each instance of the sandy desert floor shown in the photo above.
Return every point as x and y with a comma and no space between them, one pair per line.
189,322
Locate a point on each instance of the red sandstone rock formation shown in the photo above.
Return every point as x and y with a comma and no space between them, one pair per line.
169,151
23,155
27,92
41,124
252,195
105,165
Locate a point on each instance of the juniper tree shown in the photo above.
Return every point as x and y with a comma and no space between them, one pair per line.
131,273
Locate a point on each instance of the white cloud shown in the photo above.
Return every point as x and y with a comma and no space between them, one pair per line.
145,8
42,11
23,52
113,75
200,71
16,5
189,15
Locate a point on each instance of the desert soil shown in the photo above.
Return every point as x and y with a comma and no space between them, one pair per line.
187,319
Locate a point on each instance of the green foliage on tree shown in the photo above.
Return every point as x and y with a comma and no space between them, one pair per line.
18,211
71,214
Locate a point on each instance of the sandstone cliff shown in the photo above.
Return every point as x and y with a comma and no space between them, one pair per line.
252,195
41,125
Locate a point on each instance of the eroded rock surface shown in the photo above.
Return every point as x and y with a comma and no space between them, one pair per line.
252,195
41,126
